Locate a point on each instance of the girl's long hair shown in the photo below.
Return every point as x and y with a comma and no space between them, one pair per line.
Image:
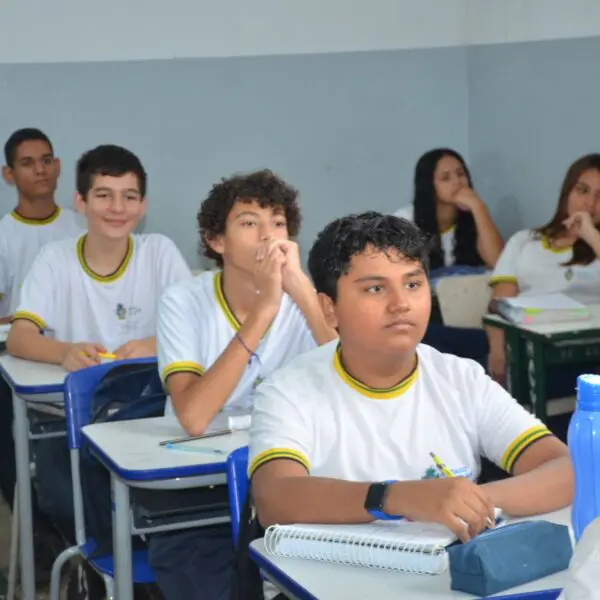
425,212
582,252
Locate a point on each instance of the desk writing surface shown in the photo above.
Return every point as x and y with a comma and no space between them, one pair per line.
549,329
132,450
25,376
329,581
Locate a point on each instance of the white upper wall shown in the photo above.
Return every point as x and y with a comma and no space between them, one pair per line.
36,31
505,21
112,30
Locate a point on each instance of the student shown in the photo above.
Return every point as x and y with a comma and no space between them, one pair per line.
93,294
561,256
448,209
220,334
346,430
33,170
446,206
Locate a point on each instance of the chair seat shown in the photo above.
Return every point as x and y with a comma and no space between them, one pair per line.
142,573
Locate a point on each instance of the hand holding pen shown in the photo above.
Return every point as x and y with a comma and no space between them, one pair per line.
446,472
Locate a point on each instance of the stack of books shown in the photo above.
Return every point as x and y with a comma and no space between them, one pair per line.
548,308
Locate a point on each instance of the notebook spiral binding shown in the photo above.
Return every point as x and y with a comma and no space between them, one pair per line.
363,550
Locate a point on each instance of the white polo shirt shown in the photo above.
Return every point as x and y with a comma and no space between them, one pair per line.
71,303
447,237
195,325
536,268
312,411
20,241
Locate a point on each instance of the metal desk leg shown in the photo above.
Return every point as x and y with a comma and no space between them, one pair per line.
21,435
537,379
121,539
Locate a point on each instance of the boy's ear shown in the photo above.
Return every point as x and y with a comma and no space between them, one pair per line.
328,308
216,243
7,175
79,203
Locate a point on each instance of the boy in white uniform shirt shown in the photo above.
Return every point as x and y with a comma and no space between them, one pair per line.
33,170
343,434
96,293
221,333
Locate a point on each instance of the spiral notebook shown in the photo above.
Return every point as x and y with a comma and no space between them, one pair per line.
396,545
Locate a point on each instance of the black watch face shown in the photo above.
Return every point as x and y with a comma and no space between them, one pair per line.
376,496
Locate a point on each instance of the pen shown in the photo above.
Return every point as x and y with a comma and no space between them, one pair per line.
196,437
198,449
448,473
442,468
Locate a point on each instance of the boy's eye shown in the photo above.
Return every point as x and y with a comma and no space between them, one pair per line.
413,285
248,223
280,224
374,289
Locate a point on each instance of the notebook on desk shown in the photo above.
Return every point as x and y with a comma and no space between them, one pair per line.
547,308
402,545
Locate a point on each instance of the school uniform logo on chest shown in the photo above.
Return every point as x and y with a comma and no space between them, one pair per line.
123,312
432,472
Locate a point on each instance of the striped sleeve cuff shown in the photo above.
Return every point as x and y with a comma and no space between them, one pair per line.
275,453
27,316
503,279
520,444
181,367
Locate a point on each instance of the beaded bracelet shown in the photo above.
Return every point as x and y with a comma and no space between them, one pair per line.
253,355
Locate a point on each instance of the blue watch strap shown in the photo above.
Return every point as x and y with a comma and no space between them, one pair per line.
381,516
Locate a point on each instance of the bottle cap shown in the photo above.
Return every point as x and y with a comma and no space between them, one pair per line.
588,392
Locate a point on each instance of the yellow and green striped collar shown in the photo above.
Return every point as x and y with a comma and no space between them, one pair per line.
547,245
17,217
377,394
222,301
111,276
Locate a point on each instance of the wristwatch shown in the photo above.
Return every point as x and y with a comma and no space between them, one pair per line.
375,500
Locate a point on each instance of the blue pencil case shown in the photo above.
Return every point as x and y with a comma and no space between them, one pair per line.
502,558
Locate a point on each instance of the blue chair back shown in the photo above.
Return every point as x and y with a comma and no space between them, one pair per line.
237,486
80,387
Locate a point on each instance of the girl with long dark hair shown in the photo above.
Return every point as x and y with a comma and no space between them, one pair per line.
446,207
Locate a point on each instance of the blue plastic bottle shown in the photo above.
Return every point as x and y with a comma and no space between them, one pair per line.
584,446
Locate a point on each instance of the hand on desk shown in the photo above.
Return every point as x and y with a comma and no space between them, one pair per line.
81,355
137,349
458,503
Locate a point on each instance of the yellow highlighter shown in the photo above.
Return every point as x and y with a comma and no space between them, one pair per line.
442,468
107,356
448,473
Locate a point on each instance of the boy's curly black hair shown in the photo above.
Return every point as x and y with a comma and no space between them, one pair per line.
329,258
264,187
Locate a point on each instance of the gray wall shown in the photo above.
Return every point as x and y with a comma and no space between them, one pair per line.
344,128
534,109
